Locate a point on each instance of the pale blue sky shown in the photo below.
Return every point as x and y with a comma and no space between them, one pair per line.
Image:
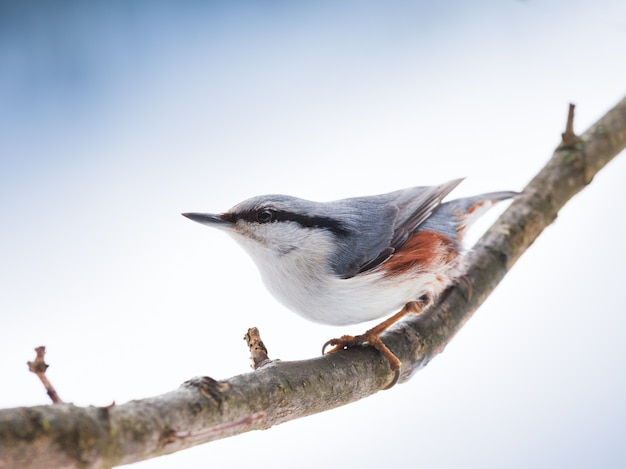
117,116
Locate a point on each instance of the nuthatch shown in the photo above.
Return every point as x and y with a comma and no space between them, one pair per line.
357,259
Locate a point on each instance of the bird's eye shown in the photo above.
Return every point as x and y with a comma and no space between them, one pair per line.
265,216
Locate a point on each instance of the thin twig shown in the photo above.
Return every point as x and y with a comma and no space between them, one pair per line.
39,367
569,138
257,348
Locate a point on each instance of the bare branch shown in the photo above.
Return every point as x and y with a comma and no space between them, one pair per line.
204,409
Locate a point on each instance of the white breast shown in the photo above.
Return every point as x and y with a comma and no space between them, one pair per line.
300,280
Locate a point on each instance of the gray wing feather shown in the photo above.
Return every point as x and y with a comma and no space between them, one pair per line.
383,223
415,211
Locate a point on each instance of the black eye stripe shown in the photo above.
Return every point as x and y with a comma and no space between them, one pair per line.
266,215
313,221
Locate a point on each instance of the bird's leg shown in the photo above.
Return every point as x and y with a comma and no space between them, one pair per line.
372,337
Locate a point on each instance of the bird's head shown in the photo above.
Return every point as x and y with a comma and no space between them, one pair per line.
278,225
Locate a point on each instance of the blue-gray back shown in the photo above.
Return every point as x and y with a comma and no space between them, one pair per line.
379,225
382,224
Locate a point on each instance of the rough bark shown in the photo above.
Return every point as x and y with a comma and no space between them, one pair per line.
203,409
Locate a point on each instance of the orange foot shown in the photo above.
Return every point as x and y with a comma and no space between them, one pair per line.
372,337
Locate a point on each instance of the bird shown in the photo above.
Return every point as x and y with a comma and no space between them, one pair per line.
357,259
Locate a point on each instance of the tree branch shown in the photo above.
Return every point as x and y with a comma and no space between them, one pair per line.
204,409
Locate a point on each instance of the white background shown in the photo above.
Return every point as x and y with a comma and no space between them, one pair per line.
117,116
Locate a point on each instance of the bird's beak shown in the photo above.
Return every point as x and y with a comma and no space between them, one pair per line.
210,219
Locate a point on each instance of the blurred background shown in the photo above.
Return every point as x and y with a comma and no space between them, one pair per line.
117,116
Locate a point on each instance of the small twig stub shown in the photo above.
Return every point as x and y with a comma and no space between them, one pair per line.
257,348
569,138
39,367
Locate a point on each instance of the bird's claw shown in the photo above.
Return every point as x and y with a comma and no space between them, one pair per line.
341,343
374,340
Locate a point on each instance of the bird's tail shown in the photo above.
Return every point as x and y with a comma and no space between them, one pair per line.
454,217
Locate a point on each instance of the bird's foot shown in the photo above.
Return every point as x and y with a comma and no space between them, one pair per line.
371,337
343,342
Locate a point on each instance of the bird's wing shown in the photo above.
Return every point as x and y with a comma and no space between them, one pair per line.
385,223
